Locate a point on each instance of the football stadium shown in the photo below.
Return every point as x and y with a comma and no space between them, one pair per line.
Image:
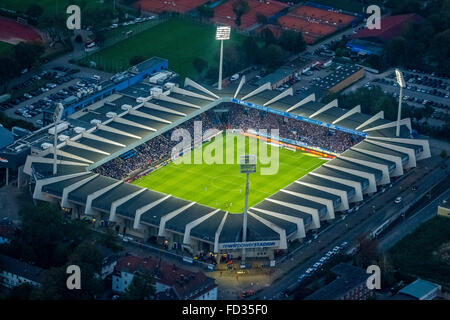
116,164
221,185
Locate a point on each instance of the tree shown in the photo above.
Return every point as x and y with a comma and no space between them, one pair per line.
100,38
271,56
443,154
34,10
232,59
79,38
292,41
9,68
109,239
21,292
212,73
47,237
55,25
240,7
387,271
54,287
205,11
440,49
267,36
141,288
367,251
262,19
200,65
27,54
396,51
136,60
250,48
96,18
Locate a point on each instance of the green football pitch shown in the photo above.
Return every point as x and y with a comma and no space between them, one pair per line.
176,40
222,186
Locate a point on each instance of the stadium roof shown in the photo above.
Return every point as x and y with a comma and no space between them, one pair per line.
128,208
283,209
129,120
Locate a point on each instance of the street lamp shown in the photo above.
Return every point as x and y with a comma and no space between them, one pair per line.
222,33
247,165
401,83
57,115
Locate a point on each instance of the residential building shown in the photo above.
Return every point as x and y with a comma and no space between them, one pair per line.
14,272
350,284
171,282
109,260
419,290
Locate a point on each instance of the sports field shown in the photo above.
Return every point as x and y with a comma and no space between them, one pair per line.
179,41
222,185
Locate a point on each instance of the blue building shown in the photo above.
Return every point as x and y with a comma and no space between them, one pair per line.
118,82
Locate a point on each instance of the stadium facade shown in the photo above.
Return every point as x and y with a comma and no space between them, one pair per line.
128,118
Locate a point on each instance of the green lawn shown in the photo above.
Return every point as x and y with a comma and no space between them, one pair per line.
5,48
179,41
218,185
425,252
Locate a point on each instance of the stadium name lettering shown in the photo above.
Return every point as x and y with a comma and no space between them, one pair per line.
238,245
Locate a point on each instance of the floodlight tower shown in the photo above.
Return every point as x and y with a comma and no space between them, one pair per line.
247,166
222,33
57,115
401,83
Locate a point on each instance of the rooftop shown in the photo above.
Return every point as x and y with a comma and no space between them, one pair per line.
391,27
21,268
186,284
420,289
349,277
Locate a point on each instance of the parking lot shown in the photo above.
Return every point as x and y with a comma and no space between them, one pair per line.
421,90
42,90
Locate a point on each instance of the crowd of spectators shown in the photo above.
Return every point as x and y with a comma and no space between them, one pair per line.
159,149
313,135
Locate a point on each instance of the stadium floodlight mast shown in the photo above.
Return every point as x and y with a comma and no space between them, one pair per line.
247,164
57,115
401,83
222,33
